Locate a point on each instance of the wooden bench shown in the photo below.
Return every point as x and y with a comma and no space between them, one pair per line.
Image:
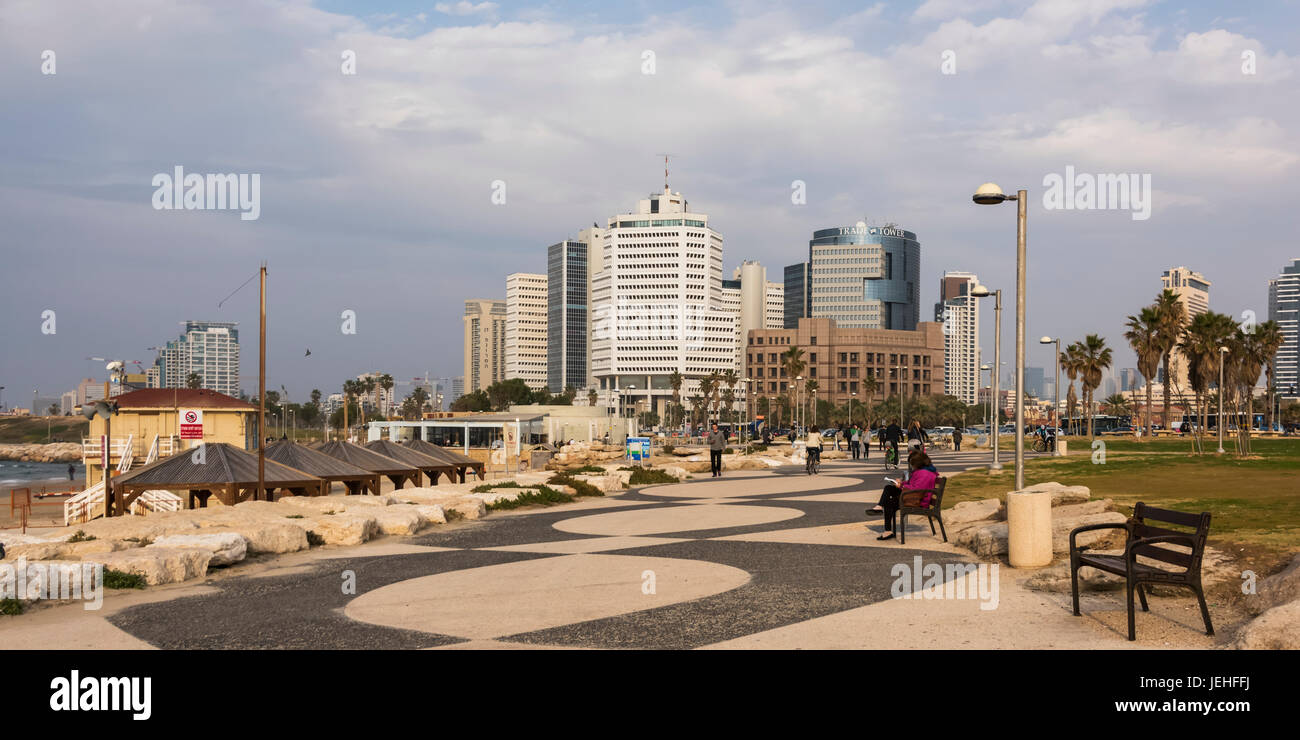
1154,543
910,503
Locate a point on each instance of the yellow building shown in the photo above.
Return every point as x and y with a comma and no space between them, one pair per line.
148,425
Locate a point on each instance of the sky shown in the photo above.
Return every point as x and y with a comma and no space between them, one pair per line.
376,188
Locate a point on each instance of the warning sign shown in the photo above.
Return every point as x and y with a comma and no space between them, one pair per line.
191,423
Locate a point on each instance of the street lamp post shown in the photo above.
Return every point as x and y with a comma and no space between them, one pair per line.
988,405
1056,386
798,394
1029,515
1223,354
979,291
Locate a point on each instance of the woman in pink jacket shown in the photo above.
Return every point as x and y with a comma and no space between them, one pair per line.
923,476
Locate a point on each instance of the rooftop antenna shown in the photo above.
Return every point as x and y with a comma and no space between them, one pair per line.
666,156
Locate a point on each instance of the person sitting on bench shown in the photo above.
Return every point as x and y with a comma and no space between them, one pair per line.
923,476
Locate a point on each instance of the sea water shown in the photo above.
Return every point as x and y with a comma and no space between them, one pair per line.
17,473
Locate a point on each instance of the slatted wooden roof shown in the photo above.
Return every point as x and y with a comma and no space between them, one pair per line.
367,459
219,464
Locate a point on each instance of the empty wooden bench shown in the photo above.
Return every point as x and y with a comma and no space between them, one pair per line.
1155,543
910,503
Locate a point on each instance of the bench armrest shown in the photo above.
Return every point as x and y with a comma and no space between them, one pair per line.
1088,528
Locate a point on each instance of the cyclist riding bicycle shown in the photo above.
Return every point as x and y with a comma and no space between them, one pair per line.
893,434
813,449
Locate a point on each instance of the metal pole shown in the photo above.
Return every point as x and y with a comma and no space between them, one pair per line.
1022,208
108,464
995,403
1218,422
1056,410
261,390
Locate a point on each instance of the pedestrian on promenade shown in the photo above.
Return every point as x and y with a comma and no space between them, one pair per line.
717,443
855,444
72,470
956,440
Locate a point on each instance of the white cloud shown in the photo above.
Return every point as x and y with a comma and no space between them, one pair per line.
466,8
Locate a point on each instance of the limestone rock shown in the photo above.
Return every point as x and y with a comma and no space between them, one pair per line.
226,547
345,528
61,550
1062,494
400,519
1061,527
1277,589
432,513
1276,629
972,511
263,535
158,565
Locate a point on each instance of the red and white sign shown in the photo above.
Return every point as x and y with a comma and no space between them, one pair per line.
191,423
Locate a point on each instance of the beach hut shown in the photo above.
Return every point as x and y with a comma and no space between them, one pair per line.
430,466
356,479
396,470
216,468
461,462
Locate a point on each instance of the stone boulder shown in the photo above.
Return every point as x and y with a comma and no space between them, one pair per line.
1276,629
399,519
343,528
1061,527
968,512
1062,494
158,565
62,550
432,513
1278,589
263,535
227,548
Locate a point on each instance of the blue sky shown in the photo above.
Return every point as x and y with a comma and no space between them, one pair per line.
375,188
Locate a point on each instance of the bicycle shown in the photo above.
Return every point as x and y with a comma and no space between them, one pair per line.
813,464
891,457
1044,445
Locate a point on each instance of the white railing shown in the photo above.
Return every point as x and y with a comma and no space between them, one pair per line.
91,448
81,507
156,500
166,446
153,451
128,455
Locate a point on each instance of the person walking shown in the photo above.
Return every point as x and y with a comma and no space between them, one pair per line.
72,470
717,443
855,445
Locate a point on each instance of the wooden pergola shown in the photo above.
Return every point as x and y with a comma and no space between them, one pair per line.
396,471
219,469
355,479
461,462
430,466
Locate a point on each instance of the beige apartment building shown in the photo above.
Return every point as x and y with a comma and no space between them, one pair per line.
842,359
1193,291
485,343
526,330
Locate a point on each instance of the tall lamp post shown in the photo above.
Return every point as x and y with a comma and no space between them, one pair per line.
744,414
988,405
1029,515
1056,386
798,394
1223,354
979,291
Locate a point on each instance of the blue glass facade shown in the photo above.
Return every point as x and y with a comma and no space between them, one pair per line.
865,277
566,316
797,296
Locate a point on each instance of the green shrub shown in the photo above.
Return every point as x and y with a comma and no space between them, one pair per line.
728,451
489,486
544,496
119,579
580,487
452,515
294,516
668,449
314,540
11,607
648,476
80,536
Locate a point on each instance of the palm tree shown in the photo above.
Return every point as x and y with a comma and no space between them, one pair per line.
193,381
592,396
1200,345
350,388
1070,363
715,388
386,382
1257,348
1117,404
730,379
793,363
810,386
1095,357
1269,336
675,382
1171,321
1141,336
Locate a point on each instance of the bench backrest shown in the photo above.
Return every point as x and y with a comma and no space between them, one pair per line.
1170,552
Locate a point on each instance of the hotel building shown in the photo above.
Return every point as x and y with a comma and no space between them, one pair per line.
1284,308
865,277
526,328
485,343
959,313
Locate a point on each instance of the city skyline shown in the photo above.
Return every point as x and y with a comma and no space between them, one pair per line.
399,236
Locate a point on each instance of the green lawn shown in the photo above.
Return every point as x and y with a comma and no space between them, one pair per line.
29,430
1254,501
